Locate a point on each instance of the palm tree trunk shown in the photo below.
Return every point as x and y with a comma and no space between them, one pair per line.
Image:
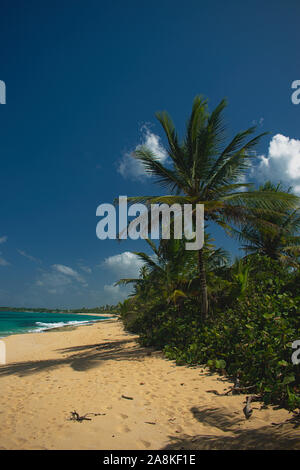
203,286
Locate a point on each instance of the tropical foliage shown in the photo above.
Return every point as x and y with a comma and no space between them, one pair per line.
237,317
274,235
207,170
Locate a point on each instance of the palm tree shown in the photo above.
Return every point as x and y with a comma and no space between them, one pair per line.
204,170
278,238
172,271
167,268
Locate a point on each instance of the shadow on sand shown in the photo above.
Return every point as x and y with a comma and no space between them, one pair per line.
229,434
80,358
264,438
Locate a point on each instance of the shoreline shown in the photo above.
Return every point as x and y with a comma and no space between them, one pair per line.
66,326
133,396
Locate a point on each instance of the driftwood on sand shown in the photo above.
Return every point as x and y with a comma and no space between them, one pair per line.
76,417
127,398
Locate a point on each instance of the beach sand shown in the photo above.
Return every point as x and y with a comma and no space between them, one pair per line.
93,368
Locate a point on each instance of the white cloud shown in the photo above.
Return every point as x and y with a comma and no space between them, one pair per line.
3,239
282,162
123,265
3,261
59,278
81,265
117,293
126,264
86,269
26,255
131,168
67,271
54,282
258,122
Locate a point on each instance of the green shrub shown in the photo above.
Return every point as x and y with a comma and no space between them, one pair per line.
250,339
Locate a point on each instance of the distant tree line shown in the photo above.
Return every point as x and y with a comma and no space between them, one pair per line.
112,309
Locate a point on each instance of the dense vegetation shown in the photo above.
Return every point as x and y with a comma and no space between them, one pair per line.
239,318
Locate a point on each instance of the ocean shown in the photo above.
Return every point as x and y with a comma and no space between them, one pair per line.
12,323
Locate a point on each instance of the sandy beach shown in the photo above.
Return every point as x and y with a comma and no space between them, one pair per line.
133,398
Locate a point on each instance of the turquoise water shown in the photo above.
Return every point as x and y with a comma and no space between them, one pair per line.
12,323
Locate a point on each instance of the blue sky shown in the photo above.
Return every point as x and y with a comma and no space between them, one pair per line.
83,81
